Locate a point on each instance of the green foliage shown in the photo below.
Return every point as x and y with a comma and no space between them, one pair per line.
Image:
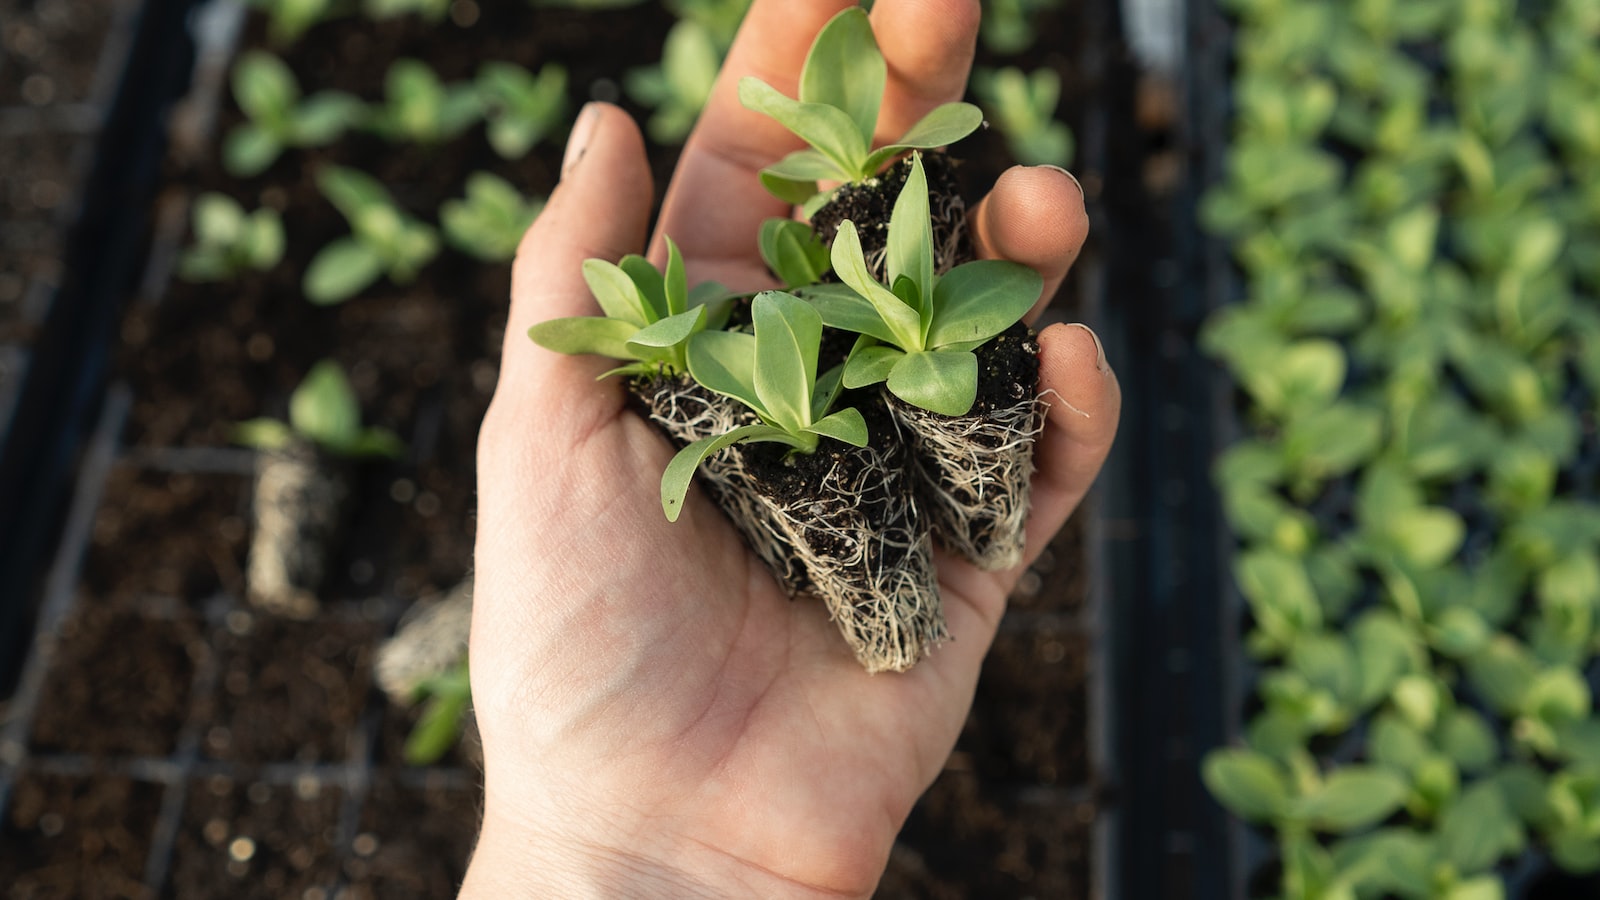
677,88
228,240
919,334
1415,345
649,315
522,109
1007,27
288,19
490,222
1023,106
418,107
432,11
774,373
841,89
447,700
383,240
278,118
322,411
793,252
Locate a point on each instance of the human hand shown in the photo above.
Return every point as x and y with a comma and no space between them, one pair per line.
658,718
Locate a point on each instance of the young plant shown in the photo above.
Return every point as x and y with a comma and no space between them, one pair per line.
649,315
521,108
447,702
269,96
918,334
383,240
841,90
490,222
793,252
323,412
419,107
774,373
229,240
288,19
1007,27
1024,108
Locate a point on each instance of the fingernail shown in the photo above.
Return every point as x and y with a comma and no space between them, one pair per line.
1074,181
1099,349
578,141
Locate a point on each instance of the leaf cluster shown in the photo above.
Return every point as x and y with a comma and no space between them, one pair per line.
383,239
490,221
1023,106
678,87
324,412
228,240
446,700
419,108
1414,348
521,108
277,115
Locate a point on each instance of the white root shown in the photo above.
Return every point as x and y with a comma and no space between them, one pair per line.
431,640
973,474
299,500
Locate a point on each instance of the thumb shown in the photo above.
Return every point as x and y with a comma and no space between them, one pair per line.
601,208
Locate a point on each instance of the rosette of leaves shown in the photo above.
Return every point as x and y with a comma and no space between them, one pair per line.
278,118
383,240
521,108
836,113
1024,108
228,240
490,221
918,337
842,503
301,488
420,108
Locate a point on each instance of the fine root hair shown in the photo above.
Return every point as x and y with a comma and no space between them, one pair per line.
974,475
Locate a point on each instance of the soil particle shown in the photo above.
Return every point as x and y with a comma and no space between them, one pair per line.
255,840
414,842
169,535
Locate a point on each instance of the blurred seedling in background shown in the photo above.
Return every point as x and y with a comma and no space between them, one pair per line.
490,222
278,118
419,108
678,87
1023,106
446,701
521,108
323,412
383,240
228,240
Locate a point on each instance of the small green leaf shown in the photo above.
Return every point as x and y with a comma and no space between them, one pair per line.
846,425
1247,783
675,282
788,334
264,87
842,308
941,381
586,334
944,125
248,150
1352,798
324,408
978,300
323,117
1279,593
263,434
793,252
616,293
870,365
910,247
669,332
374,442
1478,829
339,271
680,471
845,69
827,128
725,362
648,279
850,264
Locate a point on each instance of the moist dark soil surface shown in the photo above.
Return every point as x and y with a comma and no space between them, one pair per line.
234,700
869,204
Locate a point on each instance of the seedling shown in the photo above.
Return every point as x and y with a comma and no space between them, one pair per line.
919,335
522,109
447,701
323,412
649,315
1007,27
490,222
774,373
678,88
269,96
383,240
288,19
1024,106
793,253
419,107
841,90
229,240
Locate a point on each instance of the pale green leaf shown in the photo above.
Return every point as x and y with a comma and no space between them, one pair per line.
647,278
586,334
1478,829
841,307
978,300
339,271
788,334
669,332
941,381
870,365
850,264
264,87
249,149
845,69
793,252
263,434
725,362
1352,798
680,471
944,125
323,408
616,293
675,282
827,128
1249,784
909,253
846,425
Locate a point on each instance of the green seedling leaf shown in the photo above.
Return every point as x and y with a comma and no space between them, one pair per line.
680,471
850,264
793,252
941,381
264,87
1466,738
1249,784
323,408
668,332
725,362
263,434
585,334
788,334
910,247
341,270
944,125
846,425
1478,829
842,308
976,301
674,283
870,365
1352,798
618,296
827,128
845,69
248,150
1279,593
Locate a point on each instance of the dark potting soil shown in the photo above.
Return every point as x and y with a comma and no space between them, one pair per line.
128,674
1008,370
414,842
255,839
288,691
869,204
137,553
74,837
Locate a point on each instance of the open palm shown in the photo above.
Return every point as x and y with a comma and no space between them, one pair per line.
658,718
